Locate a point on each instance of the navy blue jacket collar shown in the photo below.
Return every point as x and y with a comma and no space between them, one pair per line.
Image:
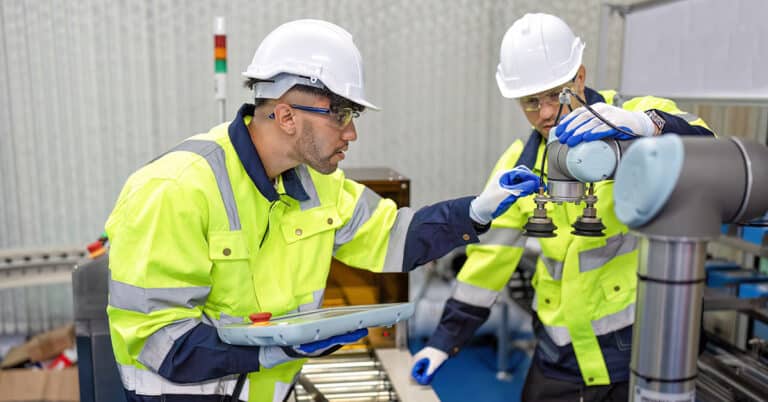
592,96
249,157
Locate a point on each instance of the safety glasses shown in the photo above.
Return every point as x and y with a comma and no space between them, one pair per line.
342,117
550,98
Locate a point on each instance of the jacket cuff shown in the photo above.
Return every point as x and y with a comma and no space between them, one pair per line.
200,355
457,326
481,228
459,213
437,229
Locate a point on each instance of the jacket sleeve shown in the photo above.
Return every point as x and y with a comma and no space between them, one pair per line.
678,125
379,237
457,325
675,120
159,281
489,265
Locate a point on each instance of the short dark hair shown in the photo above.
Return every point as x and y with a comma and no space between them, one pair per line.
337,102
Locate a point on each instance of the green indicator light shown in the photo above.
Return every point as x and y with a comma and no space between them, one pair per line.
221,66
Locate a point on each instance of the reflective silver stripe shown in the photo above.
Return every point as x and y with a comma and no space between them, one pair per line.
554,267
393,262
559,335
282,389
317,301
614,247
688,117
222,321
607,324
309,187
615,321
214,155
145,382
147,300
364,208
474,295
532,246
159,344
503,237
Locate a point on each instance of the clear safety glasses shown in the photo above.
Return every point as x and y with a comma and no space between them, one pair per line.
342,117
550,98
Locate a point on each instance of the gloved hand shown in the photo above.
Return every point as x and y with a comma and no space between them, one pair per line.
502,192
271,356
426,363
581,125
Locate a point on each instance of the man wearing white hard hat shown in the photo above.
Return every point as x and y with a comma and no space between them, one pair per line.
245,219
585,286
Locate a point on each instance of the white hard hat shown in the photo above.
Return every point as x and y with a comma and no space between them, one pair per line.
309,52
538,52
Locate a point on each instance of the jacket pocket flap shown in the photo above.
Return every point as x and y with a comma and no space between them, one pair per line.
304,224
227,245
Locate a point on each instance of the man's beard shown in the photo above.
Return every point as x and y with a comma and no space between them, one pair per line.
310,151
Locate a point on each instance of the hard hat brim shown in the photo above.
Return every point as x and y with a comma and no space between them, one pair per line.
284,81
533,89
368,105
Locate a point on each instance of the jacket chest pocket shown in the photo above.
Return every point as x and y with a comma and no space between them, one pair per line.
232,286
619,285
303,225
547,298
309,243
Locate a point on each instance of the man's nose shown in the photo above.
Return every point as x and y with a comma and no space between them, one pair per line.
548,111
350,132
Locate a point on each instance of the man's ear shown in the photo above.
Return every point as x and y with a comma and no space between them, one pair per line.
284,117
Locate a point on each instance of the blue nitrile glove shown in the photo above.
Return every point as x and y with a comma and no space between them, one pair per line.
323,345
425,364
581,125
271,356
502,192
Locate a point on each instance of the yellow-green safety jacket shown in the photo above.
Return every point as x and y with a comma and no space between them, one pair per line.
201,238
584,286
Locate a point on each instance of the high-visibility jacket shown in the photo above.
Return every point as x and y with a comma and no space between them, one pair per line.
584,286
201,238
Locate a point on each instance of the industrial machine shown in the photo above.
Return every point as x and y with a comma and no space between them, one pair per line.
669,190
572,172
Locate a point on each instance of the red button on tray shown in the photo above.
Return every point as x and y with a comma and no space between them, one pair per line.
260,317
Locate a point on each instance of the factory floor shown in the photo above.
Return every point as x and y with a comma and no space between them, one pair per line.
471,375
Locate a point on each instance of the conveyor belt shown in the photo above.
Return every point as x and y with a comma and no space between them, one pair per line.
347,375
729,374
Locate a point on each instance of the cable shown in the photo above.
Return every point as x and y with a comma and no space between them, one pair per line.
238,387
757,223
598,115
544,157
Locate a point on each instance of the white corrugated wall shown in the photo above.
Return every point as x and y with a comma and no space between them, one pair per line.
92,89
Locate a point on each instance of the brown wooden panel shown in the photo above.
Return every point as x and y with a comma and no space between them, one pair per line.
385,182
